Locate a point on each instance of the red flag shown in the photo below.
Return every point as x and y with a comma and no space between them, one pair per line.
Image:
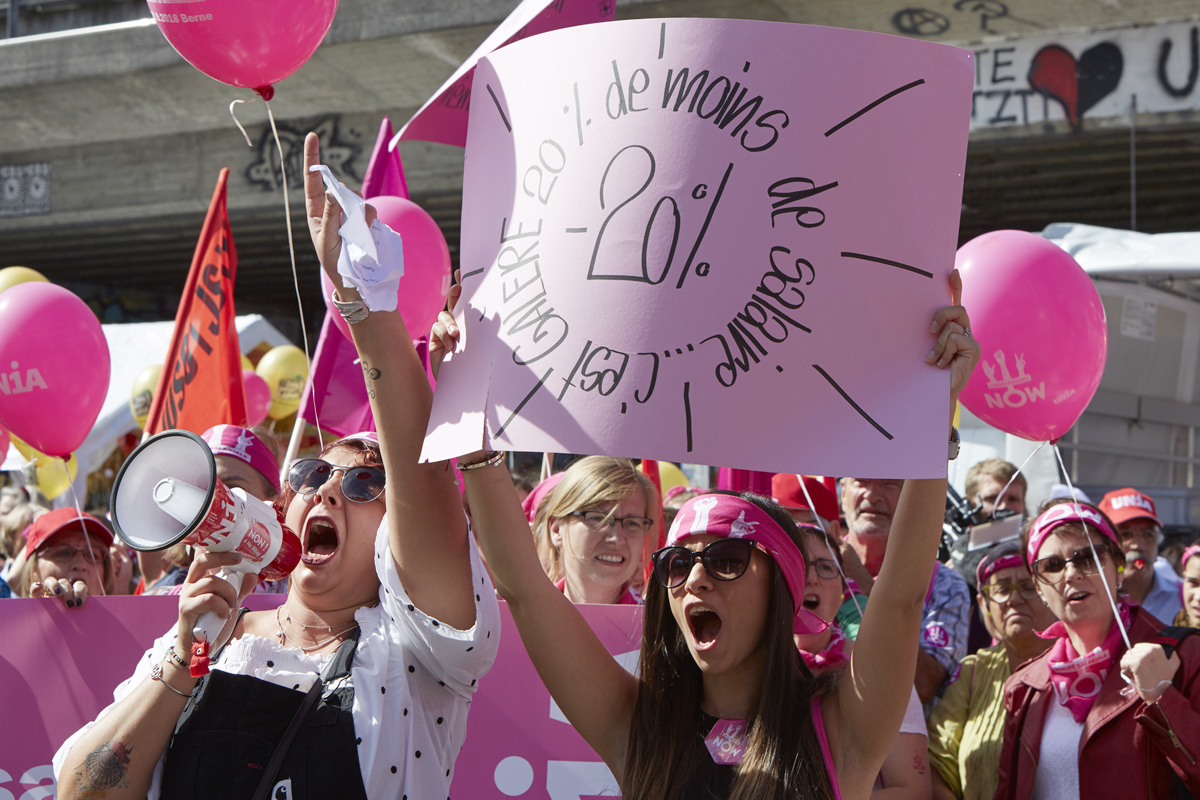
201,383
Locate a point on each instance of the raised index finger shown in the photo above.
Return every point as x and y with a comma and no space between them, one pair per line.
314,187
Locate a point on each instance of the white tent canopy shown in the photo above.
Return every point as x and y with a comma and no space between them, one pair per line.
132,347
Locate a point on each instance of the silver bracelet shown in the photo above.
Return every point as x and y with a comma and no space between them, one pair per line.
489,460
156,674
353,312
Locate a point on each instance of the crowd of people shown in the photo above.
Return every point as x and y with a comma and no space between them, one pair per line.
809,644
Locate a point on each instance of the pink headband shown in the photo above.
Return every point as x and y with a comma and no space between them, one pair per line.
1188,552
1061,514
731,516
242,444
987,568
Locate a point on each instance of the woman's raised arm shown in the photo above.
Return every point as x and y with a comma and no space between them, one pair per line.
869,703
426,524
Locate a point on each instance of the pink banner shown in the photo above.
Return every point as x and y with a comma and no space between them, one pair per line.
712,241
59,668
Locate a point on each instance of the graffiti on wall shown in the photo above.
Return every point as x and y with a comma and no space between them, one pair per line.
340,151
24,189
1073,78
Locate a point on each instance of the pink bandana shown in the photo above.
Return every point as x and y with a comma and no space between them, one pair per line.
831,655
726,742
987,568
1062,514
1077,679
242,444
728,515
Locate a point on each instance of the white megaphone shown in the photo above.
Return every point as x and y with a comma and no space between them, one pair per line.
167,492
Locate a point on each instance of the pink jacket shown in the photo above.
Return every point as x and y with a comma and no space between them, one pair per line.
1128,749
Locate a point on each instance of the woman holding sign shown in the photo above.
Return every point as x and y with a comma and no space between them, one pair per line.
723,702
387,626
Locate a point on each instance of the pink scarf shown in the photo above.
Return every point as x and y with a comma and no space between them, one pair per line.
1077,679
831,655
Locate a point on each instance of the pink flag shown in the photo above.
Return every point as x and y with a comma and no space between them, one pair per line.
443,118
335,397
385,172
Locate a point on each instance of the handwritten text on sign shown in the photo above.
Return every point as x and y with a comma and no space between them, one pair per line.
712,241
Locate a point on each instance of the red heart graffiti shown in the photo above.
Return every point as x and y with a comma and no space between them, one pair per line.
1076,85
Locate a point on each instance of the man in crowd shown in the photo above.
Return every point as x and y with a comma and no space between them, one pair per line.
869,506
1148,580
987,479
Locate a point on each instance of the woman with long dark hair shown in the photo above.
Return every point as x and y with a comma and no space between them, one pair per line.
723,704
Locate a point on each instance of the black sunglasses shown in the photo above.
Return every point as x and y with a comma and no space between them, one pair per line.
723,560
1053,569
359,484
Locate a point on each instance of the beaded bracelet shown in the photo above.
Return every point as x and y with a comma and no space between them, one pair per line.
177,661
490,459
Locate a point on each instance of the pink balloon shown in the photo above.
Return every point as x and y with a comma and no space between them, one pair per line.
252,45
1042,327
54,367
258,397
426,281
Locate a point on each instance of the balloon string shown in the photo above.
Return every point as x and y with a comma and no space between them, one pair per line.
245,135
1020,469
87,537
1095,556
287,210
821,524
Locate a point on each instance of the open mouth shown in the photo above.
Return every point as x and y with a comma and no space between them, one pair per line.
811,601
320,541
610,558
1077,597
705,625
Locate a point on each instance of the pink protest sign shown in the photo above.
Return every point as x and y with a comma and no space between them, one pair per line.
59,668
712,241
443,118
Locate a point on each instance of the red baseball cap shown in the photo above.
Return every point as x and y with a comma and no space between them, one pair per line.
785,490
1127,504
61,519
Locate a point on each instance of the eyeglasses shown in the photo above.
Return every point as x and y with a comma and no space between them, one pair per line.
65,554
723,560
359,484
1003,592
1053,569
599,521
825,569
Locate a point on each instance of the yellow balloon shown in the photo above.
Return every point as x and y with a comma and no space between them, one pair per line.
23,448
142,393
53,475
285,369
670,475
246,362
11,276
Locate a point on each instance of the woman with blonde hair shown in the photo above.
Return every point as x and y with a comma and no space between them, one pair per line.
591,529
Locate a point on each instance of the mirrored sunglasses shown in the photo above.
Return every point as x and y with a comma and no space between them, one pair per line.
360,484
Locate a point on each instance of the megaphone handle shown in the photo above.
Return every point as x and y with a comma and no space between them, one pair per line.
209,626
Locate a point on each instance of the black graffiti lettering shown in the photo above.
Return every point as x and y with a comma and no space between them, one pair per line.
998,118
1164,54
997,64
653,380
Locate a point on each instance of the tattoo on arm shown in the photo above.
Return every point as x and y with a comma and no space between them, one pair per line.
919,764
104,768
371,374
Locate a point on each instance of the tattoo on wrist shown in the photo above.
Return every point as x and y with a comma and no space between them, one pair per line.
370,374
104,768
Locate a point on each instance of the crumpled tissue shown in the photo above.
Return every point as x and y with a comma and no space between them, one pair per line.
372,258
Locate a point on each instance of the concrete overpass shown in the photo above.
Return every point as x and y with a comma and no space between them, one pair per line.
110,143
